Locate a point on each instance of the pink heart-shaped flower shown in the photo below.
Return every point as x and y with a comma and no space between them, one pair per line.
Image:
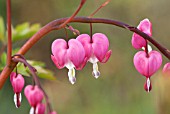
147,65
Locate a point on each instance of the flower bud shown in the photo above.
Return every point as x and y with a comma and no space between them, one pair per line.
33,94
17,82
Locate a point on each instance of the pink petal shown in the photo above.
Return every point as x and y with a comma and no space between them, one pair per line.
56,62
147,66
146,27
76,52
86,42
83,64
12,75
59,50
40,108
18,83
137,41
155,61
100,45
107,56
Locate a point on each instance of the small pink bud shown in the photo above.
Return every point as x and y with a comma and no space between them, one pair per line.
147,65
137,41
17,82
33,94
166,69
40,108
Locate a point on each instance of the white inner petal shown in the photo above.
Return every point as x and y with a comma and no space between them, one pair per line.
93,59
149,48
69,65
71,75
32,110
148,84
95,72
15,99
71,72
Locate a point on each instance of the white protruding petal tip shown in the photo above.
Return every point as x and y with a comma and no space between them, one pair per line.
149,48
148,84
96,74
16,100
32,110
72,80
71,75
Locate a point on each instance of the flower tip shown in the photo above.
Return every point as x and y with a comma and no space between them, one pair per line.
17,100
96,74
72,80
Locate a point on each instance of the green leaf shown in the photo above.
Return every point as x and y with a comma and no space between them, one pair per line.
2,30
36,63
39,66
22,69
45,73
25,31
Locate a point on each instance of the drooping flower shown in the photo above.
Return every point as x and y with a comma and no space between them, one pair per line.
147,64
96,49
34,96
137,41
70,55
17,82
166,69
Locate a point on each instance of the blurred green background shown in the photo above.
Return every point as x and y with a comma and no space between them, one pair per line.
119,90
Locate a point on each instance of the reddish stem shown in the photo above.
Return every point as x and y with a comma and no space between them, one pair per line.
55,25
9,46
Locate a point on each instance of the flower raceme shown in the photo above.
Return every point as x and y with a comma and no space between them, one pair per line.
146,62
137,41
70,55
96,49
17,82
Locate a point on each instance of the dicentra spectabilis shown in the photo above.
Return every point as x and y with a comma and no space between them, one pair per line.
147,64
166,69
70,55
17,82
96,49
34,96
137,41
